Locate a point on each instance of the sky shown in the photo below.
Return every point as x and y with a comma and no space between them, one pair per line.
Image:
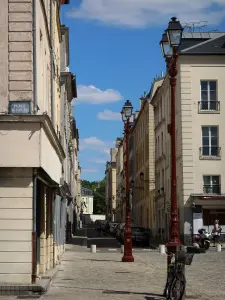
115,54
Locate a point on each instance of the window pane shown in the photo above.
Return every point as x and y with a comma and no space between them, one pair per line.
204,85
206,180
205,141
205,131
214,151
212,85
214,142
205,151
215,180
212,95
214,131
212,105
205,105
204,96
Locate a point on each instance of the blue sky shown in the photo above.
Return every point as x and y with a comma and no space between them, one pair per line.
115,54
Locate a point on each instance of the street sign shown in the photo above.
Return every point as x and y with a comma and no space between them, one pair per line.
19,107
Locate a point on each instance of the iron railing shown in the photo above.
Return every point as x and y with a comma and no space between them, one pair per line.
212,189
208,106
210,152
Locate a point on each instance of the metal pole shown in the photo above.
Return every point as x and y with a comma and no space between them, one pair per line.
174,231
127,257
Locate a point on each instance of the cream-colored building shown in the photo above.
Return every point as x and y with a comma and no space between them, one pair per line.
111,196
87,201
32,154
120,183
199,136
144,155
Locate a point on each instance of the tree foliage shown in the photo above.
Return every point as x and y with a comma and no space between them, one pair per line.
98,188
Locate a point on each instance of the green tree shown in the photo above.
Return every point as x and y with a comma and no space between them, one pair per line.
98,188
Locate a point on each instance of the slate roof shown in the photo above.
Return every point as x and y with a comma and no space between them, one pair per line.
203,43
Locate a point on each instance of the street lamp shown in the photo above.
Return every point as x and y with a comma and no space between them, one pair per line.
170,42
126,114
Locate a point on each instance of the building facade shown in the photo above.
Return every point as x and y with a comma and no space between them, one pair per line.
143,186
111,186
120,183
32,155
199,141
87,201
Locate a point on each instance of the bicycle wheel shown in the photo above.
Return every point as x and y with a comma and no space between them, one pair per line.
177,288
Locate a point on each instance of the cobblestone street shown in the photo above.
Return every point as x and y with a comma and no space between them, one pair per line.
87,276
104,276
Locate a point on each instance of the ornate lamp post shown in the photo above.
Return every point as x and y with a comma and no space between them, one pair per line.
170,42
126,114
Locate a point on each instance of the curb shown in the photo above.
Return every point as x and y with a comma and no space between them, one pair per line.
29,290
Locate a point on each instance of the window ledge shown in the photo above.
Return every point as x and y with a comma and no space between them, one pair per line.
209,112
210,158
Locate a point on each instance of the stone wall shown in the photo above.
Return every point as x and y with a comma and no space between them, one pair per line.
16,190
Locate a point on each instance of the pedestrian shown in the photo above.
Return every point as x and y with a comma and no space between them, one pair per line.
216,232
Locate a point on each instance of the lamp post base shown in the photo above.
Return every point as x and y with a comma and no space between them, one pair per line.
128,257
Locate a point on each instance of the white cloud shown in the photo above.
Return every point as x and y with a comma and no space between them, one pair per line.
90,170
143,13
98,160
109,115
95,144
93,95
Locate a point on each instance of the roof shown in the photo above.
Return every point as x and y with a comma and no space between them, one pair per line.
202,43
85,191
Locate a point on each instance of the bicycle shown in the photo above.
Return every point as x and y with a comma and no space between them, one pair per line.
176,281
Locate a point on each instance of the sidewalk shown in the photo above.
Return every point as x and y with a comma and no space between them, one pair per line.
89,276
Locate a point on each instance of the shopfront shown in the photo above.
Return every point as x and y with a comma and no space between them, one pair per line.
207,209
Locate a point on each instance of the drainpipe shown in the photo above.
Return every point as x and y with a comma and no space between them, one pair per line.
52,67
34,57
34,233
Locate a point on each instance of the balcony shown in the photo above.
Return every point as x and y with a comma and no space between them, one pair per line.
210,153
212,189
208,107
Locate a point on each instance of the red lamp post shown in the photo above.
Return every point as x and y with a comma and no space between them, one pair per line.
126,114
170,42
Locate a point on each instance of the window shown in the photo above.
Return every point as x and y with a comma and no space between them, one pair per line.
209,95
210,141
211,184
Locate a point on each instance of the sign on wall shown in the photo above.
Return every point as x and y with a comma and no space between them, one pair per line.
19,107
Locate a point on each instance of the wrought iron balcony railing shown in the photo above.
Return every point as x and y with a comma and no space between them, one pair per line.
212,189
208,106
210,152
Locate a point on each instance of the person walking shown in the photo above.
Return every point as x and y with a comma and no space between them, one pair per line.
216,232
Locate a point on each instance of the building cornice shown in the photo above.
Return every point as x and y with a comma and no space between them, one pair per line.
47,125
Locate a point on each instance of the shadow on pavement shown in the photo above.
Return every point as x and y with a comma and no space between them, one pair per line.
150,296
104,260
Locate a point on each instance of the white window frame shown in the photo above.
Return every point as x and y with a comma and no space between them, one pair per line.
210,139
208,94
211,185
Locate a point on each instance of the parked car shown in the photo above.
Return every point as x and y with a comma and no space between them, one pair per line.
140,235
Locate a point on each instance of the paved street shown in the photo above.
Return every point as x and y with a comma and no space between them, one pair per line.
83,275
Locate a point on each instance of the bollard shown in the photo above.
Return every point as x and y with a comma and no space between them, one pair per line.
93,248
218,248
122,248
162,249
